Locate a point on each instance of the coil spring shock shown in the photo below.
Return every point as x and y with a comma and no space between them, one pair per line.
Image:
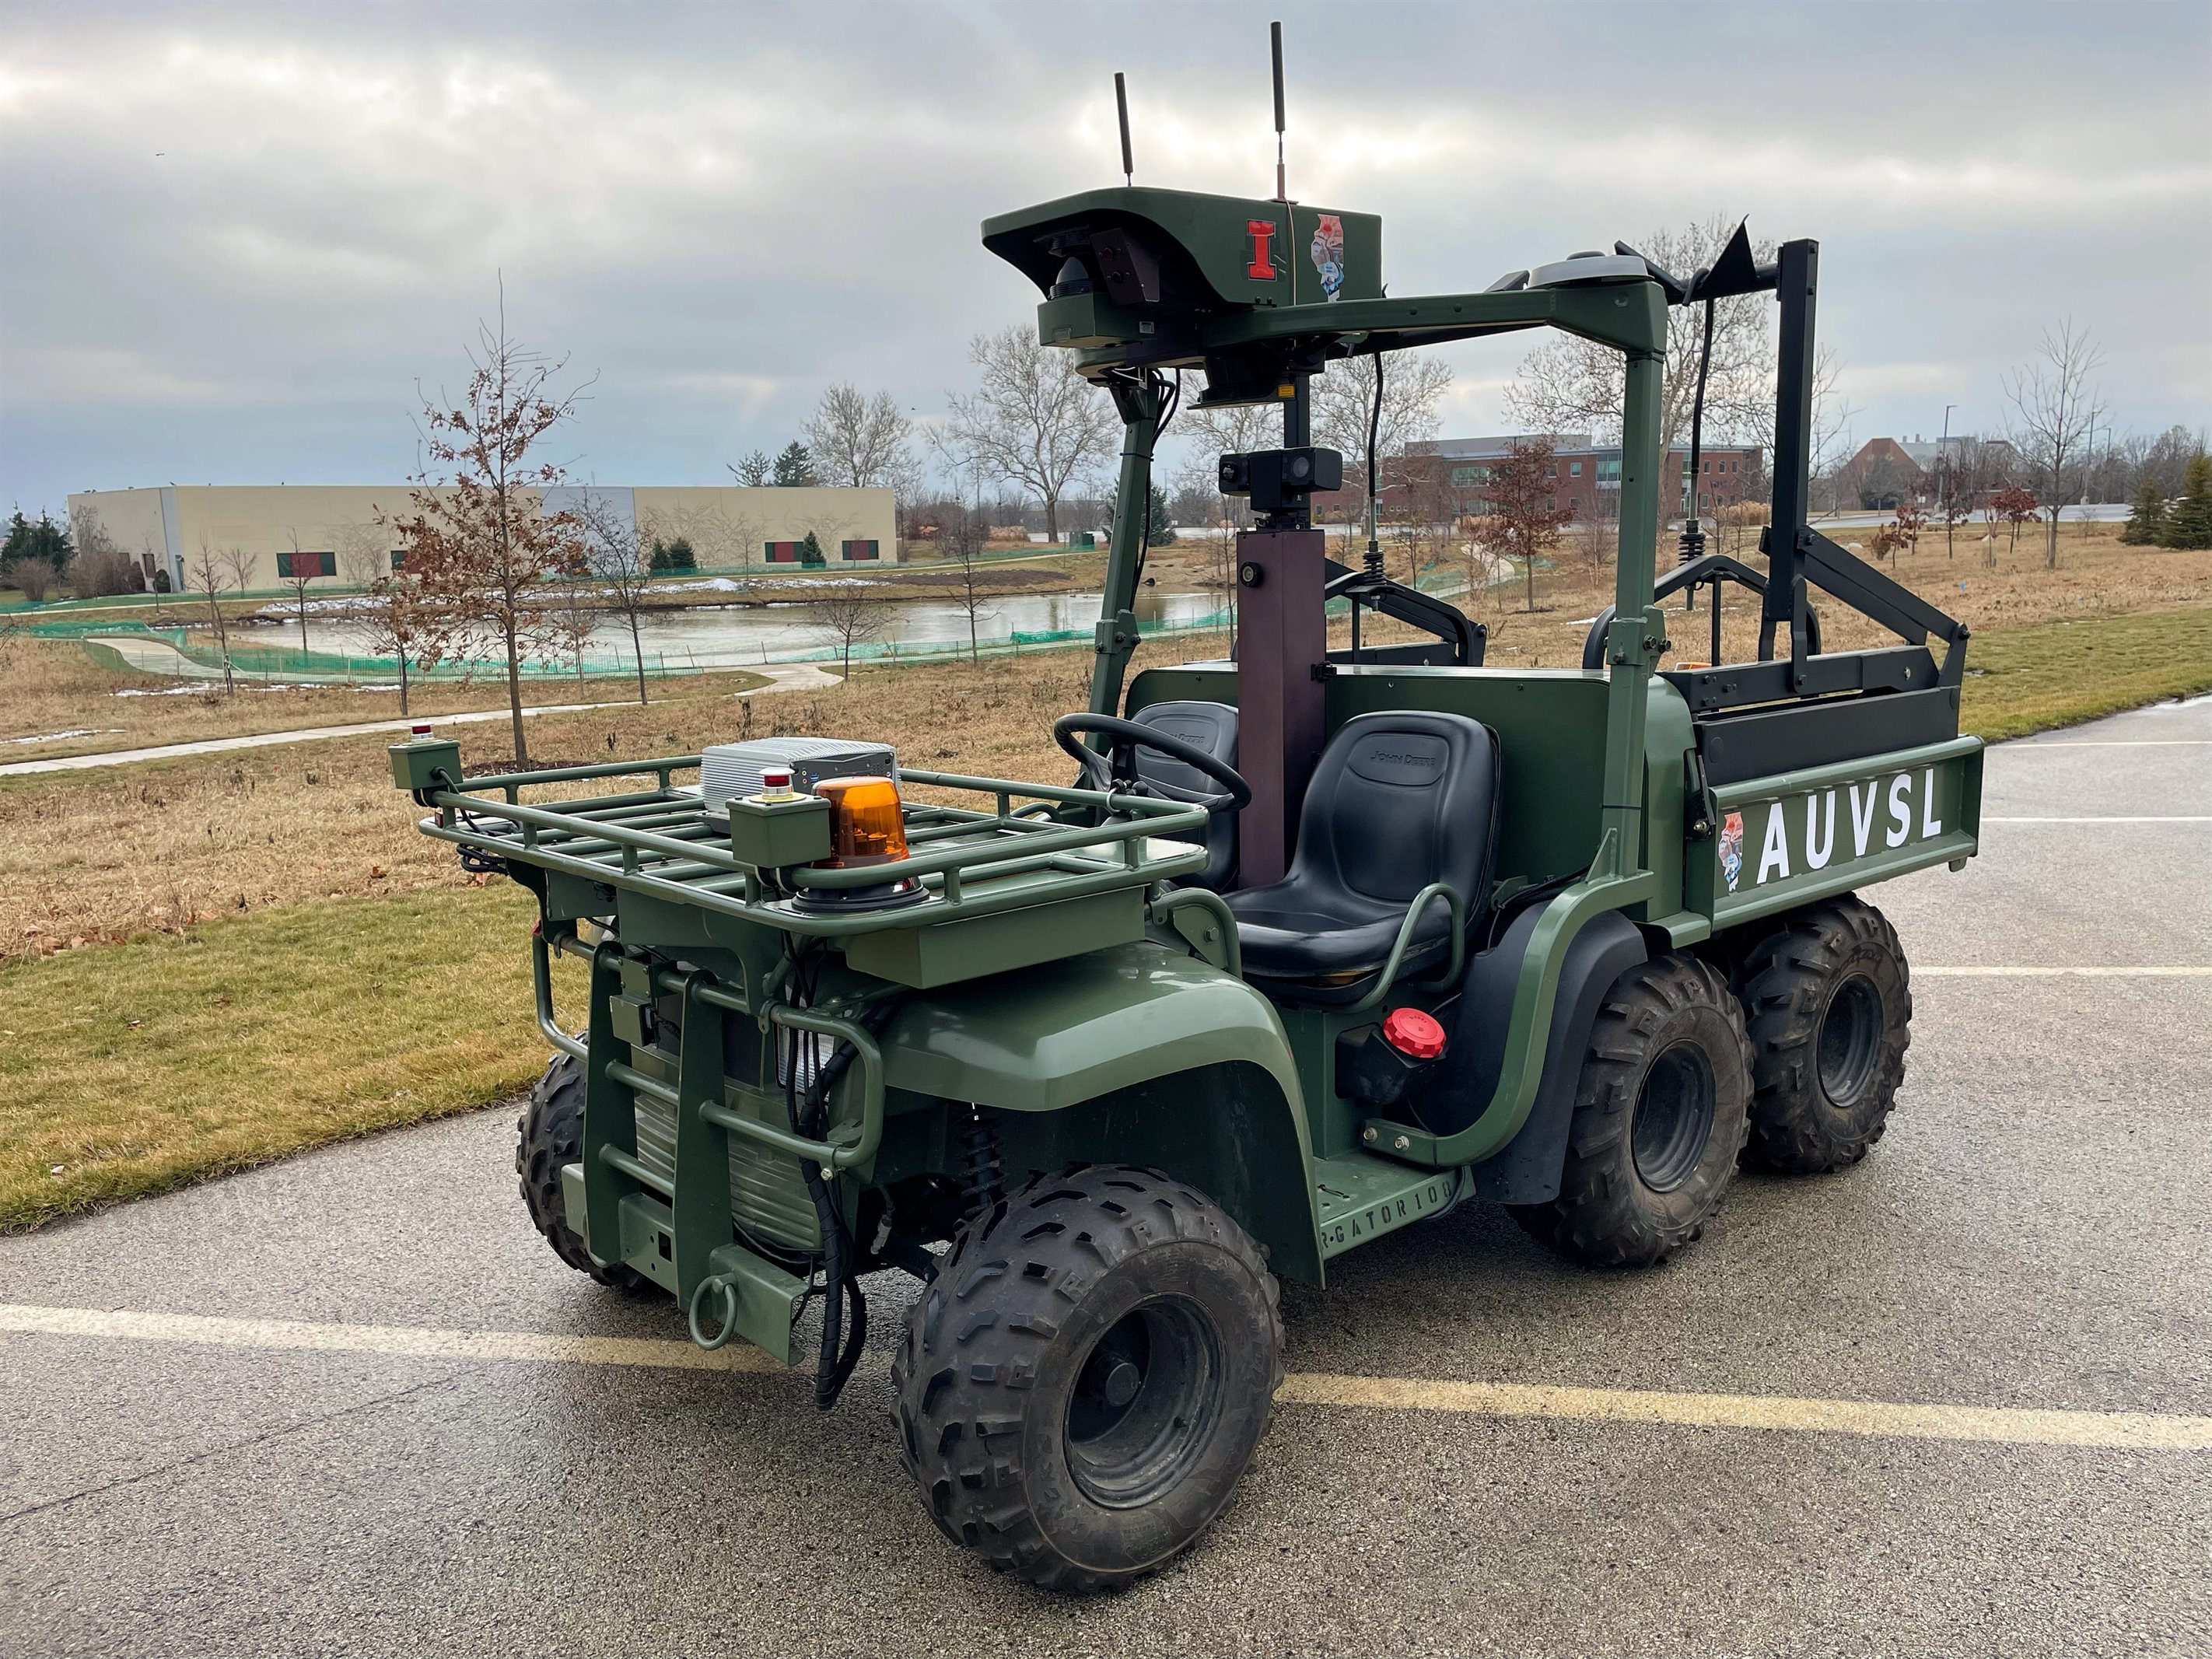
984,1179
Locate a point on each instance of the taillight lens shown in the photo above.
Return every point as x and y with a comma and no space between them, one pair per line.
865,825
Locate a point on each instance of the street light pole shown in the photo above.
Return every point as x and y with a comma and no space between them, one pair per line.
1943,478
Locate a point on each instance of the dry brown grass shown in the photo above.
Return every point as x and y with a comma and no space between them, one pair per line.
2096,576
100,856
51,685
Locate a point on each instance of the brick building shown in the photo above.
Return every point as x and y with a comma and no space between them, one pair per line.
1447,475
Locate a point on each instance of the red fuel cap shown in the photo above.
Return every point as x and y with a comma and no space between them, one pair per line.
1413,1034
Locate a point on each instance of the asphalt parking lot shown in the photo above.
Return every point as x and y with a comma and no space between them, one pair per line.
302,1433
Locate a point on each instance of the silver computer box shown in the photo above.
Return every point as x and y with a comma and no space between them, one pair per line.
728,769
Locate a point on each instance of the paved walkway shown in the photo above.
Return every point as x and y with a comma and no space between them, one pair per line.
781,677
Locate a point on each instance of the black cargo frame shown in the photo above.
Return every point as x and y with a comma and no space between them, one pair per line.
1796,554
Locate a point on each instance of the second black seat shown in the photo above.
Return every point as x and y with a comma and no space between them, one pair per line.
1397,801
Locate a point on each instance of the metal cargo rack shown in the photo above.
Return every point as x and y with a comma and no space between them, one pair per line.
1031,849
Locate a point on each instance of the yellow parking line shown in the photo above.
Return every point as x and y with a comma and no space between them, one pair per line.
407,1342
1921,971
2002,1425
2005,1425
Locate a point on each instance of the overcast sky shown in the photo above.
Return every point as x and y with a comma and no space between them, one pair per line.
235,238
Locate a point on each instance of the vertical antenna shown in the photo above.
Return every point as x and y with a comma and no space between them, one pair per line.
1122,108
1276,42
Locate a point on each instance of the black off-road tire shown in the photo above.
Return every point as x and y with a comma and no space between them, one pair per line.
1660,1116
1082,1384
550,1133
1828,1003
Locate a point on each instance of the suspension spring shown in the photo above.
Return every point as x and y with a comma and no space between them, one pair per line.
985,1180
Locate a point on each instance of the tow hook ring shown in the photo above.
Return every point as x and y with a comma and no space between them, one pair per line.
728,1286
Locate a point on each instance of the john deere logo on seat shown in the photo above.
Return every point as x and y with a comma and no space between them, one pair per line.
1262,233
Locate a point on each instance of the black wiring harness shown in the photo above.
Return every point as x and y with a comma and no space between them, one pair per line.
843,1336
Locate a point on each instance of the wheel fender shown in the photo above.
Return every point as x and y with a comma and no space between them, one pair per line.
1135,1055
1526,1170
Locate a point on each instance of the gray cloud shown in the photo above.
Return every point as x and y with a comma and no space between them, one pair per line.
237,238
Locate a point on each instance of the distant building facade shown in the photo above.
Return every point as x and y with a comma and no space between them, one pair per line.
1889,471
1453,472
338,531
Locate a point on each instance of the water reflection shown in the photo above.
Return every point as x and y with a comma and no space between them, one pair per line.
733,636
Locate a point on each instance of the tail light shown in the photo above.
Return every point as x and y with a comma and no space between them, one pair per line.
865,823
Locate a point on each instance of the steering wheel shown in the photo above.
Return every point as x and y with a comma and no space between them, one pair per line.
1116,769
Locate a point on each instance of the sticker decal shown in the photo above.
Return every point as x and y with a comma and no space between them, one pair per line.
1329,254
1262,267
1732,848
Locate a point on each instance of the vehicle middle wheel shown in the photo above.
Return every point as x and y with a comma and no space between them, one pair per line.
1660,1115
1082,1384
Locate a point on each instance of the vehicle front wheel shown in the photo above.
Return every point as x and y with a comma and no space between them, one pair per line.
549,1134
1660,1115
1082,1384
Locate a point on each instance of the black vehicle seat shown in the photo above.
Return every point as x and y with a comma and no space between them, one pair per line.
1397,801
1212,726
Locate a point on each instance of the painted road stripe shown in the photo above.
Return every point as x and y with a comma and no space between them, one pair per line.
407,1342
2205,818
2008,1425
1921,972
2115,742
2001,1424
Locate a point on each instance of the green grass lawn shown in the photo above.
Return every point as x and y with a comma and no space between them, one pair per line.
126,1069
130,1068
2060,673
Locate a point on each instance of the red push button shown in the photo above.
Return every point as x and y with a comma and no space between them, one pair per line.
1413,1034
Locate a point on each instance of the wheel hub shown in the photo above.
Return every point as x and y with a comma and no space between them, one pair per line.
1850,1047
1146,1403
1673,1117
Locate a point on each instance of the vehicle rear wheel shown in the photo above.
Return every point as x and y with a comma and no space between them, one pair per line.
550,1133
1082,1384
1828,1001
1660,1116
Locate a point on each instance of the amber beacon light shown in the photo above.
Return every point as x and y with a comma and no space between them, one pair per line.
865,825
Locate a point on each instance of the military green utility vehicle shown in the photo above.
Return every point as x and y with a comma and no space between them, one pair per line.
1319,944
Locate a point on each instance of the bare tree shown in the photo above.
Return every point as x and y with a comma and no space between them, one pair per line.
1413,384
100,567
480,542
32,577
755,471
1032,421
619,558
1230,429
212,571
960,545
408,625
1571,384
2055,411
364,553
306,567
862,442
847,616
2165,461
1832,415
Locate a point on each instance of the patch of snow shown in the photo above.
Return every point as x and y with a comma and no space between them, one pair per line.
80,732
194,689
